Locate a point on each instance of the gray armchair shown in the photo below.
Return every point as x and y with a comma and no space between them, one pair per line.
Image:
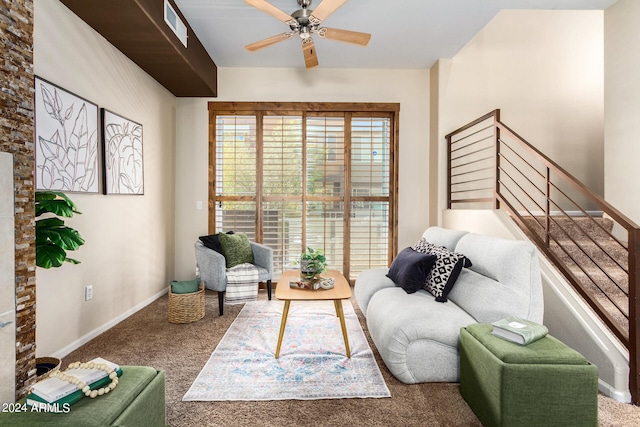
213,270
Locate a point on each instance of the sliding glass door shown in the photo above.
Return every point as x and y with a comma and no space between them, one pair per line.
298,178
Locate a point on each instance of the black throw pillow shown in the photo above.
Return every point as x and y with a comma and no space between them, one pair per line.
213,241
410,269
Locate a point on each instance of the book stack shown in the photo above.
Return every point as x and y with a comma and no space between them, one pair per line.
313,284
519,331
57,392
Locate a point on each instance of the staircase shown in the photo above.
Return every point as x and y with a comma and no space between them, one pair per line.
586,239
597,260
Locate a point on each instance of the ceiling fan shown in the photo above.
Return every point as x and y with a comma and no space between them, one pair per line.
304,23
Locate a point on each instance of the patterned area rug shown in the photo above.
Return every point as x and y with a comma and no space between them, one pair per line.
312,364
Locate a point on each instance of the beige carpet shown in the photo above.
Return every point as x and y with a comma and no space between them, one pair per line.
146,338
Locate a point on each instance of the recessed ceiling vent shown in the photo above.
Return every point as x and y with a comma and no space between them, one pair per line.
175,23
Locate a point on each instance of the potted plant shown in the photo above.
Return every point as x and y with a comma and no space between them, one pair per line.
313,262
53,238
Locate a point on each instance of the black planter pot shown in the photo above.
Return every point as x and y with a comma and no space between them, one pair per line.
44,365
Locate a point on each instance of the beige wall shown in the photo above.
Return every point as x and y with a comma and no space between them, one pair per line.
408,87
544,70
129,252
622,107
434,127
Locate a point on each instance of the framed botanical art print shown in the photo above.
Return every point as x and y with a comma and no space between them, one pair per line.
123,160
66,140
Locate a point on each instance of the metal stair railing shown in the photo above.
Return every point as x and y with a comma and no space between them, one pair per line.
595,246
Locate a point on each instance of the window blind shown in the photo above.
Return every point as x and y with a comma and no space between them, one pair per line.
370,202
306,178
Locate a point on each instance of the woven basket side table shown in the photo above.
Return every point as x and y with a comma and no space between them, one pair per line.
186,308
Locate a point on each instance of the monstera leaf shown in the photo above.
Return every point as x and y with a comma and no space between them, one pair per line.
53,237
55,202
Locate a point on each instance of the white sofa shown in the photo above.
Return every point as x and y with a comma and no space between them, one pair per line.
418,337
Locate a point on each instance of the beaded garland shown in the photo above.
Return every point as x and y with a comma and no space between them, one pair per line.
83,385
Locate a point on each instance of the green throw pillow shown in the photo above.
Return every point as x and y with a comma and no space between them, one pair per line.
236,249
185,286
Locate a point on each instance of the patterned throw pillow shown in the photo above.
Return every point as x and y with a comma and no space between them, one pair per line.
445,271
236,249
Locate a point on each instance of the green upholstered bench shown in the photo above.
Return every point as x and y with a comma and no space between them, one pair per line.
138,400
544,383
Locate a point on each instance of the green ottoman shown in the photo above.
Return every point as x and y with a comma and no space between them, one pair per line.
544,383
138,400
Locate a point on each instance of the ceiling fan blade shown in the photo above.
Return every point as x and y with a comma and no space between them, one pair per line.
309,52
324,9
270,9
345,36
268,42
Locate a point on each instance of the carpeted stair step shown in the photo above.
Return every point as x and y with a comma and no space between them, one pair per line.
597,260
577,228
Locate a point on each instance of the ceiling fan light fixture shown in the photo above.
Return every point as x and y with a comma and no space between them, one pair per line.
305,22
305,32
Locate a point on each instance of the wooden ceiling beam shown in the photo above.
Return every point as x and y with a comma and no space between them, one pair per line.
137,28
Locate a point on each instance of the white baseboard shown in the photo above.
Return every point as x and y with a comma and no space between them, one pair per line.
91,335
619,395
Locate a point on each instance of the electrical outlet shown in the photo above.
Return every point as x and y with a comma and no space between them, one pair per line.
88,292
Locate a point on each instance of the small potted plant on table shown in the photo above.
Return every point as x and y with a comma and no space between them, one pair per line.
313,263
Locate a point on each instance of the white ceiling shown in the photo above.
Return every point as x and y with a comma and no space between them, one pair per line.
405,33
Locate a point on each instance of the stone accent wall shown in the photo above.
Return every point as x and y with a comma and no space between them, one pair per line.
16,137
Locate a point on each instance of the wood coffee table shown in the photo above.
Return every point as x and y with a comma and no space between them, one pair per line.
341,290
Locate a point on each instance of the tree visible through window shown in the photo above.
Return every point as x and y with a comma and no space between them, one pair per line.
307,175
